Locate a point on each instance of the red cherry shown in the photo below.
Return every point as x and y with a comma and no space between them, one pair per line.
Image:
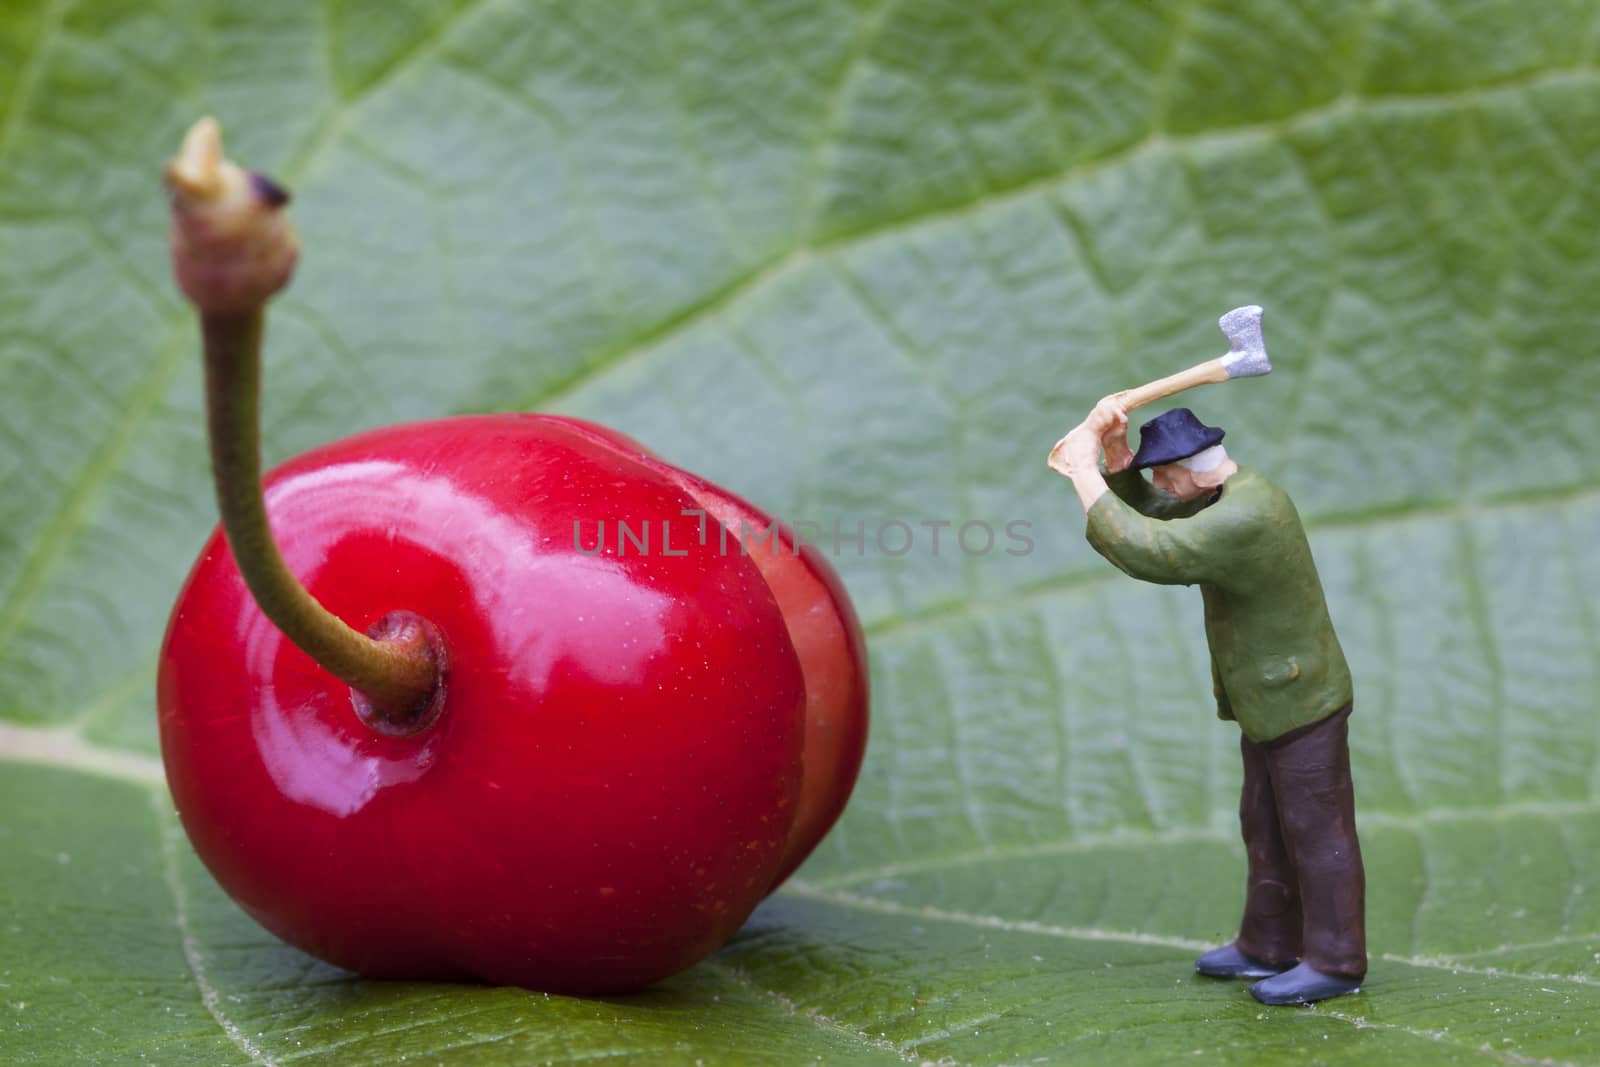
416,726
610,783
824,629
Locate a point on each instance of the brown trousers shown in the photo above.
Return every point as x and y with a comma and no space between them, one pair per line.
1305,898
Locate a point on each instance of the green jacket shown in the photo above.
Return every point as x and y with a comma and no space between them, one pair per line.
1275,661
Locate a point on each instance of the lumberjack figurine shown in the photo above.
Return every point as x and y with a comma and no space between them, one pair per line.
1276,666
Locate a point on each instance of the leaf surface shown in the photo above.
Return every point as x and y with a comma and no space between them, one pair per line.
862,263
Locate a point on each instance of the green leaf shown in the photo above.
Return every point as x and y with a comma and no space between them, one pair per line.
863,263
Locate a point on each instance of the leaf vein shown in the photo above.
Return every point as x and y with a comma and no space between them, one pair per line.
27,82
740,286
821,1021
1440,1036
82,491
425,44
1413,822
209,997
861,902
1449,963
67,750
833,116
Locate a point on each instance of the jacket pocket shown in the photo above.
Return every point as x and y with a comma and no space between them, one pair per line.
1280,673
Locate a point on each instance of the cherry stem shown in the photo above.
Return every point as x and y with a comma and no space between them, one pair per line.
398,676
232,249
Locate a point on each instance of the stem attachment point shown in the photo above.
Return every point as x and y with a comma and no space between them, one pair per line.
414,637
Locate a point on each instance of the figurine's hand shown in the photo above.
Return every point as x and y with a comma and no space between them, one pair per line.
1106,417
1111,423
1077,453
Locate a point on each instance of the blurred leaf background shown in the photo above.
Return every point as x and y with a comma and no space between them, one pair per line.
862,262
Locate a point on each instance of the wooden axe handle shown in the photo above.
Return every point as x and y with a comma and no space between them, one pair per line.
1205,373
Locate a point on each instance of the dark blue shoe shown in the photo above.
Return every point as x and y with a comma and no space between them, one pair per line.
1229,962
1303,985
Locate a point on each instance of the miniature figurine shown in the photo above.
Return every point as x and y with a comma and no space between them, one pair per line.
1276,666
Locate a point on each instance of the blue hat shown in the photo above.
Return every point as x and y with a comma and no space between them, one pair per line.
1171,436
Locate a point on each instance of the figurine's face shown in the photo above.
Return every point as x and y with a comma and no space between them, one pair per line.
1176,480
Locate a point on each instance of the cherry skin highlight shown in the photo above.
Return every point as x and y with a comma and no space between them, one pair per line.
611,779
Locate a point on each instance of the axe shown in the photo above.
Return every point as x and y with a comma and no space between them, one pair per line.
1246,358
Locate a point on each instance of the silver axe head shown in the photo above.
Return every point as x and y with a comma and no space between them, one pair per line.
1247,352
